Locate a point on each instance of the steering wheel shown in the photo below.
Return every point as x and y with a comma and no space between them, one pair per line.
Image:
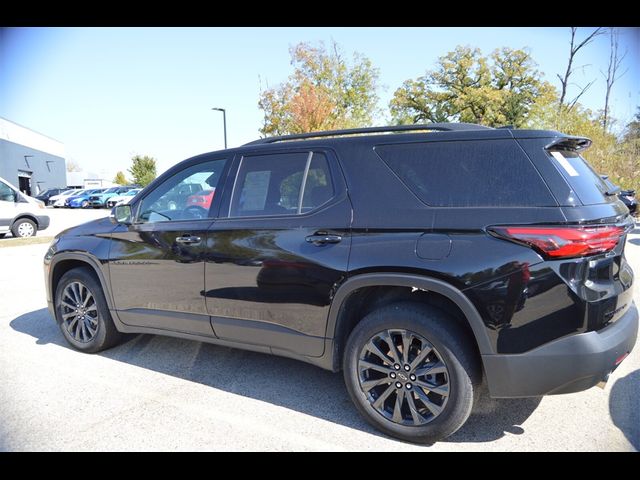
195,211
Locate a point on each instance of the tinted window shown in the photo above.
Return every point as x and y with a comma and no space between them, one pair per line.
169,200
583,180
468,174
273,184
318,188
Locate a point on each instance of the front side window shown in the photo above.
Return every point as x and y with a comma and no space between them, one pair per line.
281,184
6,193
173,199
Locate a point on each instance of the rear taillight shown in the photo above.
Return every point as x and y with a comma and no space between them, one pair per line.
564,242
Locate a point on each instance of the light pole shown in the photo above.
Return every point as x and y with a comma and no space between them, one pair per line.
224,121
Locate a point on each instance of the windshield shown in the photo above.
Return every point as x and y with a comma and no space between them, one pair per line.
112,190
131,193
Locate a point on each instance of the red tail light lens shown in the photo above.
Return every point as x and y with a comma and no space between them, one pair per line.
564,242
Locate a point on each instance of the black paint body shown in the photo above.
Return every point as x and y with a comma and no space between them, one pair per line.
258,283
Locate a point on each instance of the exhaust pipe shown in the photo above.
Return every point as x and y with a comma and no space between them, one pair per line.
603,383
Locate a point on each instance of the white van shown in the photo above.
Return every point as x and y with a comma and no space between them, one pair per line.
20,214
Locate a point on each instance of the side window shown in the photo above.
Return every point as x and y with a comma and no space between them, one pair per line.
6,193
484,173
281,184
318,188
187,195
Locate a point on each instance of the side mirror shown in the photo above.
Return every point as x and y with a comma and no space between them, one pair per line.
121,214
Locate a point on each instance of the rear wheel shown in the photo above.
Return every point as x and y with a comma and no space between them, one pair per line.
84,204
411,371
82,312
24,228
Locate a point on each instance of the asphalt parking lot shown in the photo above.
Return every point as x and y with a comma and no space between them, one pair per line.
63,218
156,393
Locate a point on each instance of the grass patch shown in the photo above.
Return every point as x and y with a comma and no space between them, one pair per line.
18,242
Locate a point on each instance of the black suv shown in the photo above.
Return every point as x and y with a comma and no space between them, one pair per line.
420,260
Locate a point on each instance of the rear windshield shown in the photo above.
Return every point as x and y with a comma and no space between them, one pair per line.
488,173
583,180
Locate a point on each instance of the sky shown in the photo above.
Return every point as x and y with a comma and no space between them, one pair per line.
111,93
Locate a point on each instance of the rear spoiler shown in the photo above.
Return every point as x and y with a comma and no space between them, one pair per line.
574,144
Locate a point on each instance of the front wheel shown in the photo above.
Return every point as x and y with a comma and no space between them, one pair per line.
411,372
82,312
24,228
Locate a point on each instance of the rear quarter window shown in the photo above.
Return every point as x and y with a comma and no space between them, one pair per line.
487,173
583,180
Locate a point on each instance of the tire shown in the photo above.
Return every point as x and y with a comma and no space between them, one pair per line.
99,331
2,235
24,228
84,204
452,354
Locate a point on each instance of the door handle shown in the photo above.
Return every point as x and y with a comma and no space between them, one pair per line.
323,239
188,240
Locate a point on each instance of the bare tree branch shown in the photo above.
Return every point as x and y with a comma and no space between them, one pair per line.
615,61
575,100
573,50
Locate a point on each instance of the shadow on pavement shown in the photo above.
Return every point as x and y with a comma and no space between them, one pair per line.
624,407
277,380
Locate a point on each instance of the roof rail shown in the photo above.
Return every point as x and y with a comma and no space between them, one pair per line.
442,127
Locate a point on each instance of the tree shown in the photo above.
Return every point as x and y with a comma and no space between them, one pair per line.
120,179
632,130
469,87
143,170
615,61
574,48
72,166
324,92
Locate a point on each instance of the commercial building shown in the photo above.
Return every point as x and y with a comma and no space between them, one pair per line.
31,161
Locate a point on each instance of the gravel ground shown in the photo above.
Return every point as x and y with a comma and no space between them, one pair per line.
157,393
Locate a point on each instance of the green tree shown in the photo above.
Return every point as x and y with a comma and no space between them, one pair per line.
466,86
325,91
632,130
120,179
143,169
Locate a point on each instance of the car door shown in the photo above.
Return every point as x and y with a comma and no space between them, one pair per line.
277,250
7,207
157,262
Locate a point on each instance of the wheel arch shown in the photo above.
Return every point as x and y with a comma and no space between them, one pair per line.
337,318
28,216
63,262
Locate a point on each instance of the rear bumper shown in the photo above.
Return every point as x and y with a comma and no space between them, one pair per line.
43,221
566,365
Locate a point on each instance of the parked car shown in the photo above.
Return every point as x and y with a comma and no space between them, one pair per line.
47,194
20,214
100,198
122,199
177,198
81,200
57,201
494,256
201,199
628,197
